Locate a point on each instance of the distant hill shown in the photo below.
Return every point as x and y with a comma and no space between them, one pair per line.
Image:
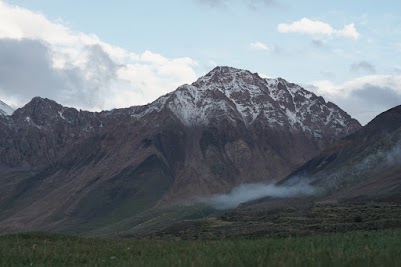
365,165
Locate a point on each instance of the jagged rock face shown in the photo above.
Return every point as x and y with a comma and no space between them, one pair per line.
247,97
229,127
43,131
364,165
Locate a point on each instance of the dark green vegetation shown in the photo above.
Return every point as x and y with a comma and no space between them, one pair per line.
266,218
150,221
287,218
378,248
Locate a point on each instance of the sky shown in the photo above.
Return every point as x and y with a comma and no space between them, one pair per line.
97,55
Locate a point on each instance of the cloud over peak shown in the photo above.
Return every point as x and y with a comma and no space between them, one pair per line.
78,69
317,28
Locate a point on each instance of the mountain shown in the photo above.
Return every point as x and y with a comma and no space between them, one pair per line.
357,188
5,109
64,169
365,165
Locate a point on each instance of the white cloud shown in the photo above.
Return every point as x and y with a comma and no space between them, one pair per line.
258,46
389,81
318,29
249,192
79,69
363,97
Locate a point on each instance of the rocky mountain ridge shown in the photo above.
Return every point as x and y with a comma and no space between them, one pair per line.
61,167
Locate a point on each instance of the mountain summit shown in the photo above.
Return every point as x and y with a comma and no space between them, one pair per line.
278,102
61,168
245,98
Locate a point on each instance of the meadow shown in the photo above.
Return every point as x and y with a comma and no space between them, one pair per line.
372,248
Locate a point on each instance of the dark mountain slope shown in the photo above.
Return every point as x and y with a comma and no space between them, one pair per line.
62,168
364,165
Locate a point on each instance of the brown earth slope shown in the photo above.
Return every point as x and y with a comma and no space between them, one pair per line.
61,168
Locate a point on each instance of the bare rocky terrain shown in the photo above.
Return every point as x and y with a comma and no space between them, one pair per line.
64,169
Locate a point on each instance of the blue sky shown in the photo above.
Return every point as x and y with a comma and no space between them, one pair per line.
347,51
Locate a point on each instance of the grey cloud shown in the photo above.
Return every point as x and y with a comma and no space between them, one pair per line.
22,66
375,96
26,70
317,43
363,66
366,102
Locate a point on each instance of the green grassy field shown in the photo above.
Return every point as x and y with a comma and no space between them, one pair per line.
375,248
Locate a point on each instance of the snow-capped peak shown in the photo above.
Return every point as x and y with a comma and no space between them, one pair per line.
241,96
5,109
227,79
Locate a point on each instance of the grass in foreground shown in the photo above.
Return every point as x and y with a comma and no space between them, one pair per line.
382,248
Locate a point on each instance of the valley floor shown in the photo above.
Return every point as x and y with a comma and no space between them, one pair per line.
373,248
276,218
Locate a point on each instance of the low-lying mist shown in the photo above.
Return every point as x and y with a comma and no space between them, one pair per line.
249,192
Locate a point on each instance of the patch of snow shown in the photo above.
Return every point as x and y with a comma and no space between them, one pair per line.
271,82
193,107
29,120
292,118
317,134
61,115
157,106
